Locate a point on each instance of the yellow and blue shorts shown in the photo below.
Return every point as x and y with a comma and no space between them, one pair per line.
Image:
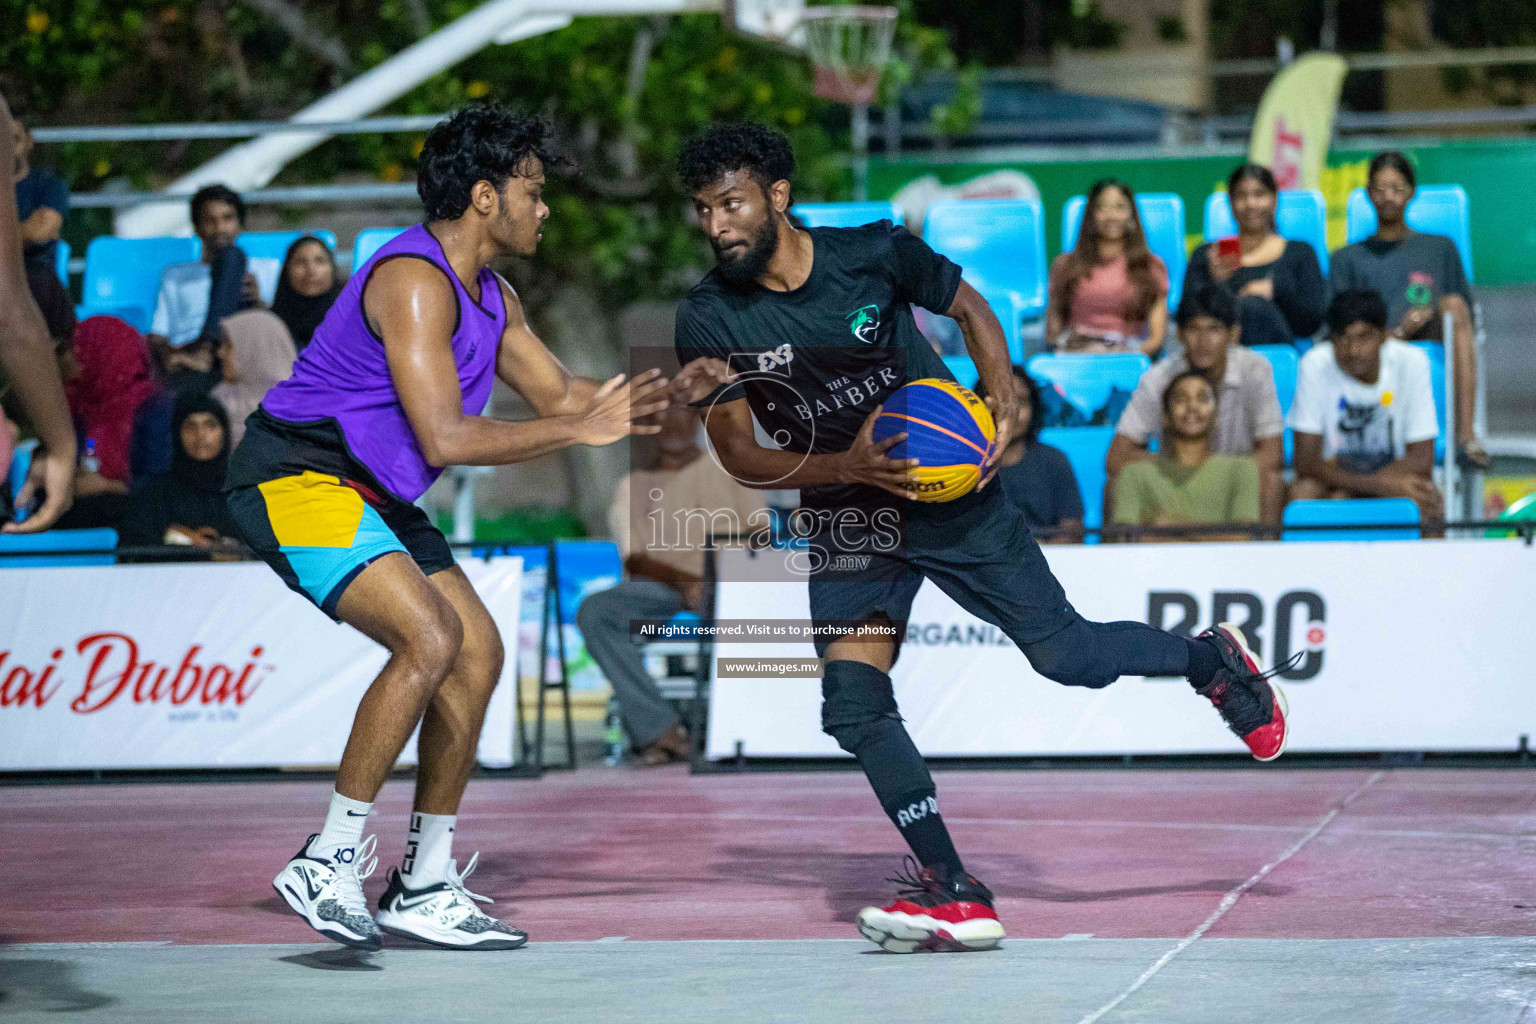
318,531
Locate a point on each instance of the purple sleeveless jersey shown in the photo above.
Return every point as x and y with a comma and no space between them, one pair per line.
342,373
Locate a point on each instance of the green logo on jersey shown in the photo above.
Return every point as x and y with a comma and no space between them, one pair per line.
865,322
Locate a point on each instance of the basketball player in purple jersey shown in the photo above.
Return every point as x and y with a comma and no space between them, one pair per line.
388,393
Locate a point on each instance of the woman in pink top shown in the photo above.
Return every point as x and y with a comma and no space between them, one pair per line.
1110,293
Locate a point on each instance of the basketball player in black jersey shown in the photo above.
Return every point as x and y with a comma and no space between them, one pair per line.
826,314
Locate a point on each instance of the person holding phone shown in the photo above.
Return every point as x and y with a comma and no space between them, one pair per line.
1277,282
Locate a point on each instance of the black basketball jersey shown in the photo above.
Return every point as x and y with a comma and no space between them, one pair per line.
814,362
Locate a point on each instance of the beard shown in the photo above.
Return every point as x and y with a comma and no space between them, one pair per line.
741,267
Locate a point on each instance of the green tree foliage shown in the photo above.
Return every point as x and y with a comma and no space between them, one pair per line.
1469,24
624,92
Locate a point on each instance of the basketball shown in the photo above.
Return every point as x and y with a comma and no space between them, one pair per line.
949,431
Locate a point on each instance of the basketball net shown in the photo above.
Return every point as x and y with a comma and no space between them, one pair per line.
849,46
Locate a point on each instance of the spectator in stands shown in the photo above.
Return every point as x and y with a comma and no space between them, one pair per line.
1110,293
195,297
1364,413
255,354
1281,295
1036,477
1421,278
108,379
306,288
1248,420
42,203
186,505
684,495
1187,483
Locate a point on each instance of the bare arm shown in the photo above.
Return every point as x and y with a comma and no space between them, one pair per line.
1404,478
1157,327
411,306
1055,316
43,226
526,365
26,355
1122,452
730,432
988,348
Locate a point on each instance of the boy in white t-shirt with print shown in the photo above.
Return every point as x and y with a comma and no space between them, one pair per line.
1364,412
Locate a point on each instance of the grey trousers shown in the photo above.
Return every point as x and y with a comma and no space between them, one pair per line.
604,620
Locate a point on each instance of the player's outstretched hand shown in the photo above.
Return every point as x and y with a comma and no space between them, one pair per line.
867,462
616,405
1002,420
54,474
699,379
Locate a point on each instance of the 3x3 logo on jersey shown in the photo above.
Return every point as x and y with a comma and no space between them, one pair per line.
770,361
864,322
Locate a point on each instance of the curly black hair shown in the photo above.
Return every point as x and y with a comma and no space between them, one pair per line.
740,146
484,142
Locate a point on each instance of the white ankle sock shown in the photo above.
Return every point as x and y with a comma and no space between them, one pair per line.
343,828
428,847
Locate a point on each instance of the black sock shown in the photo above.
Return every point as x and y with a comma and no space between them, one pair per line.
1204,663
925,831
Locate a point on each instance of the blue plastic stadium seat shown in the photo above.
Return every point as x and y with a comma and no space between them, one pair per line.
1436,354
125,272
61,261
1352,511
1000,244
102,540
368,242
1434,210
964,370
274,244
1300,215
1162,220
1087,380
136,317
844,215
1085,449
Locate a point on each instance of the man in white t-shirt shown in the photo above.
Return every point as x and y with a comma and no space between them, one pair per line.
1364,412
195,297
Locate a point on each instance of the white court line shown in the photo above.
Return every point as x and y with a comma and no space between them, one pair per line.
1231,898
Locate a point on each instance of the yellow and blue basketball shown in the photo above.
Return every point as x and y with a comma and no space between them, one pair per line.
949,431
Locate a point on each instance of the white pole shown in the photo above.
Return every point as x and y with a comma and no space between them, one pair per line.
255,163
1448,354
860,135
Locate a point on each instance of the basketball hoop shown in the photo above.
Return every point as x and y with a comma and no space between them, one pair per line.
849,46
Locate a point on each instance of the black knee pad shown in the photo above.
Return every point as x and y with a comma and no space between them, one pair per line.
1070,657
859,711
855,698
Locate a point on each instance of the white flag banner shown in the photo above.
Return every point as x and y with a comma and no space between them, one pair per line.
199,666
1410,645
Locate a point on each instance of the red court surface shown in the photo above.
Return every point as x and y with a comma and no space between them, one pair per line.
599,853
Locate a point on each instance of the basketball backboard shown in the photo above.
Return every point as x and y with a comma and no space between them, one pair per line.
776,21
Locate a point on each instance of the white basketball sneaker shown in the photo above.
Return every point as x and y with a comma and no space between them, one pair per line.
329,894
444,914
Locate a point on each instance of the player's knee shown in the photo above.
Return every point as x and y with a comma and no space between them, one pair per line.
857,700
1068,658
436,643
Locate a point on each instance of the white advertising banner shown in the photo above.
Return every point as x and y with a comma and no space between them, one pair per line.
1412,645
198,666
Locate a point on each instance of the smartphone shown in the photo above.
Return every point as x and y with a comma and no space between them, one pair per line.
1229,249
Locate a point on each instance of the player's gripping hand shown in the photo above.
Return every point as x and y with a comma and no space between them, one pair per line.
1003,413
699,379
616,405
53,473
867,462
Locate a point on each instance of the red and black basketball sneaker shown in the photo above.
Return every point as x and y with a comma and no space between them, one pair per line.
933,914
1253,707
